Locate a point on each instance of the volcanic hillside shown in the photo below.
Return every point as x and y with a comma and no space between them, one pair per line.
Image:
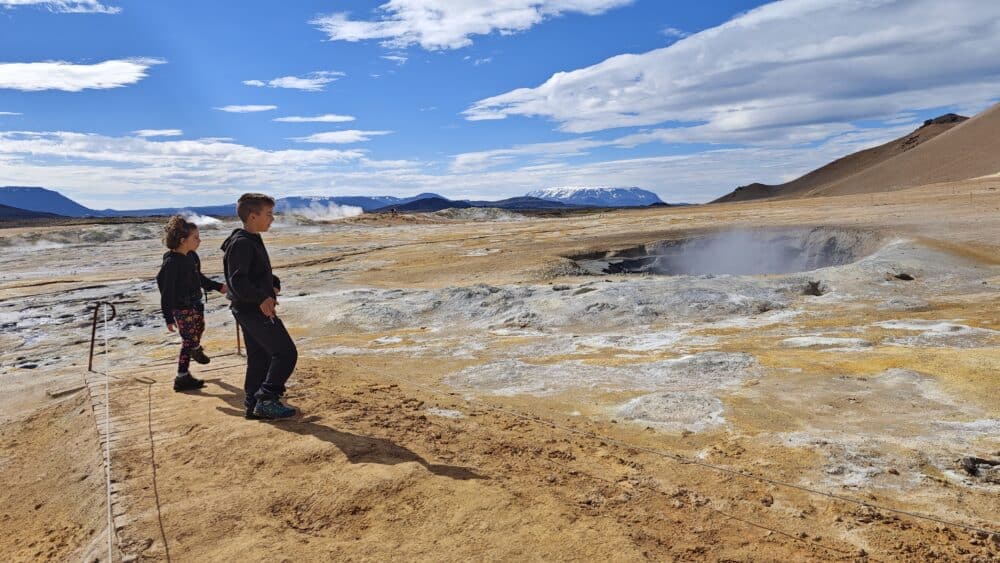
949,147
8,212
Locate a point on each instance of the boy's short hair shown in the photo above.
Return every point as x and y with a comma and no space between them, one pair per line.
252,203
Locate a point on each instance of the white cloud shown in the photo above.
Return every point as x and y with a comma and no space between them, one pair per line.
158,133
674,32
398,59
9,113
65,6
312,82
246,109
341,137
483,160
325,118
140,150
788,64
141,172
449,24
69,77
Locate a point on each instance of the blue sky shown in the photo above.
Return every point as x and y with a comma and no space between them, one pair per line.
142,103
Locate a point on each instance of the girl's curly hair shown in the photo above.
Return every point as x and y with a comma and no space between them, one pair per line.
177,229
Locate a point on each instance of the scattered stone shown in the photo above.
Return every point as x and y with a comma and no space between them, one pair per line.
767,500
814,288
976,465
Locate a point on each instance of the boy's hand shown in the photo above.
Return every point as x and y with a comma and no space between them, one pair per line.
267,307
277,290
172,327
224,289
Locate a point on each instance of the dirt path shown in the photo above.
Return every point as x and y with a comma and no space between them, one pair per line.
369,474
52,498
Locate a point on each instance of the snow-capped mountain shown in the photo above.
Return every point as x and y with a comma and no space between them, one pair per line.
598,197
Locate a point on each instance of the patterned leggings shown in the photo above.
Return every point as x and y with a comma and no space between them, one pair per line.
190,325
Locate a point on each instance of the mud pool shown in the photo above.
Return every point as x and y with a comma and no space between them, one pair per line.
737,252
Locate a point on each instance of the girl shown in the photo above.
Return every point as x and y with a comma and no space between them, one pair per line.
181,283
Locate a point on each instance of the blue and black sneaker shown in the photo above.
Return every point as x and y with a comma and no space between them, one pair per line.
271,409
248,413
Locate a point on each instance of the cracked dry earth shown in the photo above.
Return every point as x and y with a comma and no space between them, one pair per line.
469,391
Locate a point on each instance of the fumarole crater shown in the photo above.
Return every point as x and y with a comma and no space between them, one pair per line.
737,252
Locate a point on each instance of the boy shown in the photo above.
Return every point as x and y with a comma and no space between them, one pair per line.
253,290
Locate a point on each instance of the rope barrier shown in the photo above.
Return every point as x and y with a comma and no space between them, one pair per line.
152,461
107,428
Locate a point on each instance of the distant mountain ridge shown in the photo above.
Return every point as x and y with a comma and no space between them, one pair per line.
43,201
8,212
424,205
366,203
48,201
598,196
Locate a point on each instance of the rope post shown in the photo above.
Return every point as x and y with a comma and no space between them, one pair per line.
93,335
93,329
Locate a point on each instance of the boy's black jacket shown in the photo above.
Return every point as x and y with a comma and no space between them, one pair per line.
248,269
180,281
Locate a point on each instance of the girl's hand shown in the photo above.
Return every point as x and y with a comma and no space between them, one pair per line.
172,327
224,289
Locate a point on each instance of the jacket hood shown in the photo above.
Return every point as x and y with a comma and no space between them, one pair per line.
238,234
171,255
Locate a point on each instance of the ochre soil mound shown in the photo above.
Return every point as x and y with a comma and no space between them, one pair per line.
946,149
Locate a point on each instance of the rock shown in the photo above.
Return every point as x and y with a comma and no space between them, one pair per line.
974,465
767,500
814,288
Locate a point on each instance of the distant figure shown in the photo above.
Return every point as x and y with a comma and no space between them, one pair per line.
253,292
181,283
393,212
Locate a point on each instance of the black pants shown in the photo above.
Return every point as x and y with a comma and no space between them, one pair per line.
271,355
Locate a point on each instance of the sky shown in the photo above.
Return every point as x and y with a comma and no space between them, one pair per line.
144,103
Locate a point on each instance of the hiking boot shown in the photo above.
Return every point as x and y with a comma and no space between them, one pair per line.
272,410
198,355
185,382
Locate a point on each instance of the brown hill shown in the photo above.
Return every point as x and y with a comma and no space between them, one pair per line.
848,166
968,150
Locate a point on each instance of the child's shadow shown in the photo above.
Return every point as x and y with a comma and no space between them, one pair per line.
358,449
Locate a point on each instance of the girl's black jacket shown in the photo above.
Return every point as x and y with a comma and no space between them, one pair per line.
180,281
